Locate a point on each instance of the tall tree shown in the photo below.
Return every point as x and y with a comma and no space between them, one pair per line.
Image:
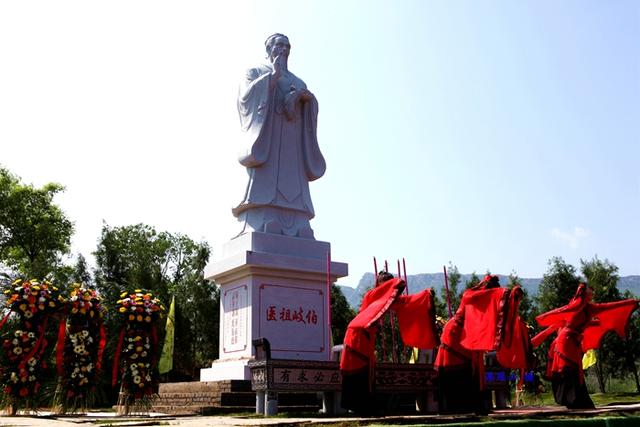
473,280
630,350
81,273
558,285
138,256
602,277
526,304
34,232
341,314
454,278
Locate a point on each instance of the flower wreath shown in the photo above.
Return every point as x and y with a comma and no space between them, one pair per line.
138,346
33,302
81,341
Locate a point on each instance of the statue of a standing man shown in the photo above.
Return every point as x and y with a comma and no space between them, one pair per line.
279,117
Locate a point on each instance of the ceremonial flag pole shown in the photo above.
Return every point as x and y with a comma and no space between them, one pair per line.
380,322
329,314
406,280
375,271
392,320
446,286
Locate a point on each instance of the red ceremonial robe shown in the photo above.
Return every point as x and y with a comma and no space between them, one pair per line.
515,350
486,320
580,326
359,340
416,319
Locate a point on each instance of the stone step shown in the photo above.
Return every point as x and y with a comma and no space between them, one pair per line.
223,397
205,386
231,399
211,410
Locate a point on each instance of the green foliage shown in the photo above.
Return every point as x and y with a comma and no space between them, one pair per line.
615,357
138,256
454,297
341,314
527,309
558,285
473,280
34,232
602,277
81,273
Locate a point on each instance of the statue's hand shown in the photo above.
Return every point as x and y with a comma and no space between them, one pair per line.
305,95
277,68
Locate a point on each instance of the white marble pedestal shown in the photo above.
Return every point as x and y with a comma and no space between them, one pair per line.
272,286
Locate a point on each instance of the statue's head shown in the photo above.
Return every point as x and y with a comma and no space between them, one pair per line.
277,44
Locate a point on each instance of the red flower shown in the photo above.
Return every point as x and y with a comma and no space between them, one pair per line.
24,392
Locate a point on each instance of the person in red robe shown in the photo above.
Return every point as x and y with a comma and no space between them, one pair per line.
580,325
416,320
486,320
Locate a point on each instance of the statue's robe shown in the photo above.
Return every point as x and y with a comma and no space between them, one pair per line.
280,148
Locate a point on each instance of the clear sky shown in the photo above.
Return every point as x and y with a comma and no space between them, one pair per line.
492,134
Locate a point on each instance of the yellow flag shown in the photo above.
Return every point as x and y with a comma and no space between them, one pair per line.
415,355
166,359
589,359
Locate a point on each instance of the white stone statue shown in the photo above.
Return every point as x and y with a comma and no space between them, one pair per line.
279,117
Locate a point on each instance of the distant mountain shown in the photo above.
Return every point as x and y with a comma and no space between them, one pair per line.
419,282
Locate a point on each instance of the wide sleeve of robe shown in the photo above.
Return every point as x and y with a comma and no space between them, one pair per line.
483,318
606,317
359,340
416,319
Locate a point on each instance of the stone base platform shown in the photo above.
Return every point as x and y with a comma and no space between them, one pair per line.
219,397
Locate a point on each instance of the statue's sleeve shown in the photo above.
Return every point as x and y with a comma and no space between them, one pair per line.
314,162
255,108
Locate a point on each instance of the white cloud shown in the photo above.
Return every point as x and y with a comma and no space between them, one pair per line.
571,238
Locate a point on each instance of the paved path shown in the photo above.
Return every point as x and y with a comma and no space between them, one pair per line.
109,418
